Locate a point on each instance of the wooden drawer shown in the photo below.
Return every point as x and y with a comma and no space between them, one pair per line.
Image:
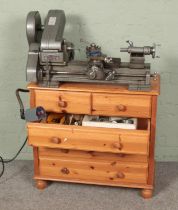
90,138
92,170
61,101
121,105
58,153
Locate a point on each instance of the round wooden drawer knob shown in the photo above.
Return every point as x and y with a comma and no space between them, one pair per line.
62,103
55,140
117,145
120,175
121,108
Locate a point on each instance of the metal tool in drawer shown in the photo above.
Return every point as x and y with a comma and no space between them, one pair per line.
51,58
110,122
35,114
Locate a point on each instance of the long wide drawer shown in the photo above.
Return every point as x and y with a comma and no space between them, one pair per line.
89,138
121,105
58,153
61,101
106,171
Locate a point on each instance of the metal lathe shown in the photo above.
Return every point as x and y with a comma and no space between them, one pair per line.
51,58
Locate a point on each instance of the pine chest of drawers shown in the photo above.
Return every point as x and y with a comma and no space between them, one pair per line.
92,155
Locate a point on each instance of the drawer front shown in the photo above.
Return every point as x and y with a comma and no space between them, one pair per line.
89,138
61,101
93,170
121,105
58,153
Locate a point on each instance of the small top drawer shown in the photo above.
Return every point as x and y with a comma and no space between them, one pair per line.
61,101
121,105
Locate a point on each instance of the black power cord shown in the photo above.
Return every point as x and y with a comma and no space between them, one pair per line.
20,101
10,160
3,166
22,117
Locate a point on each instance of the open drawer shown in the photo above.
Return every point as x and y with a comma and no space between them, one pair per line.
112,140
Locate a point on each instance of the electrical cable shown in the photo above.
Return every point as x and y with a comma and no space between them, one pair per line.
22,117
10,160
20,101
3,166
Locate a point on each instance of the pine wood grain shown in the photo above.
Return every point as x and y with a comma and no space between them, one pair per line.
52,101
133,105
89,138
36,160
32,98
78,152
147,193
119,184
152,142
53,152
97,170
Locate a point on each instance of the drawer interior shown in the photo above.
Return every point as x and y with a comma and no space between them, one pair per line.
58,121
75,120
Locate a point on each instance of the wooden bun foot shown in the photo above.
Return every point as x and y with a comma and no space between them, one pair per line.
147,193
41,184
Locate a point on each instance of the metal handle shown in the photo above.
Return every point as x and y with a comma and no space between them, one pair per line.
130,43
55,140
62,103
121,107
120,175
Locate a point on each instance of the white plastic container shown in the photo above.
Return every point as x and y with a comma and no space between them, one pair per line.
110,122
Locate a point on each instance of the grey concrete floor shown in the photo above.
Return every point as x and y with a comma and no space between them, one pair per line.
17,191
